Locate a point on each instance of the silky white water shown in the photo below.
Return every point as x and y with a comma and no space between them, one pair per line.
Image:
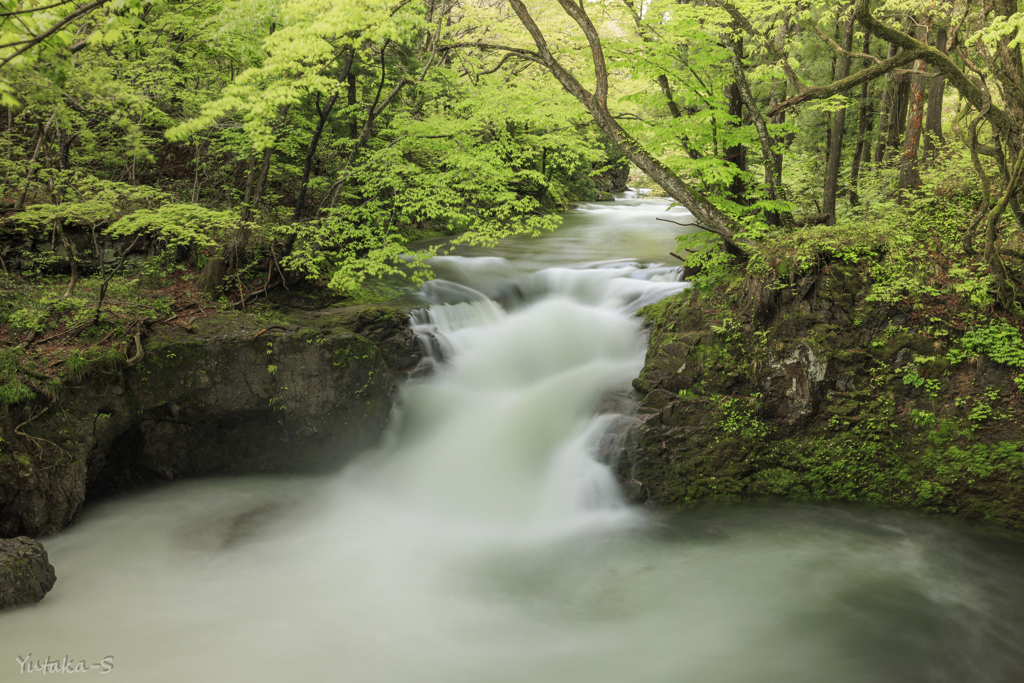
483,542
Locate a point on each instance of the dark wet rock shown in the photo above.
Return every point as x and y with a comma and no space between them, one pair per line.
635,491
621,402
815,393
26,574
295,392
390,331
613,179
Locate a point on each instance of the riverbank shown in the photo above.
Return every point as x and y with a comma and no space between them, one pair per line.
814,392
271,390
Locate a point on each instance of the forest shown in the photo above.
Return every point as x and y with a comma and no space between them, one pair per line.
332,342
160,157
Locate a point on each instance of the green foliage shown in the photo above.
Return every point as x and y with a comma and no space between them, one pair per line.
707,254
12,389
76,365
95,200
739,419
1000,341
912,378
979,409
922,418
975,463
179,225
28,320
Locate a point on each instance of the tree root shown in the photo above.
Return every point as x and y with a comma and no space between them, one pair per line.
139,352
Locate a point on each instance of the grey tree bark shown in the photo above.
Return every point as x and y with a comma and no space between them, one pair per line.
835,141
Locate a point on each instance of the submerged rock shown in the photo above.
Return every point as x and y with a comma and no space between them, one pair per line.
26,574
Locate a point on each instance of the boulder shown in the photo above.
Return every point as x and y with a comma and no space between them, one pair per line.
281,392
26,574
815,392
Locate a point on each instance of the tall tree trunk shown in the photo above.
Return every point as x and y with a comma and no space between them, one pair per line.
835,140
737,154
885,110
57,189
768,153
236,250
212,277
307,165
933,124
910,178
58,228
353,123
1010,72
777,95
862,130
898,119
314,143
707,215
250,179
32,168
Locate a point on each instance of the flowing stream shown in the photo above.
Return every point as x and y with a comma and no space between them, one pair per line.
483,542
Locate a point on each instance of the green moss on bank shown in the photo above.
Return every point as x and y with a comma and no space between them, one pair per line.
832,398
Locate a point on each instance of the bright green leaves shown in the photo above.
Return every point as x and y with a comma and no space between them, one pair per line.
466,162
179,225
131,209
89,201
680,75
302,53
47,36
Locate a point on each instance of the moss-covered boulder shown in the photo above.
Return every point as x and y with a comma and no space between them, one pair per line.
26,574
817,393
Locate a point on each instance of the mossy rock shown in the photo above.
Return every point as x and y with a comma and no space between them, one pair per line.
26,574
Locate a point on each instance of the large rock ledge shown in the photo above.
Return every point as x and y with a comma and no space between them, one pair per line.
236,394
26,574
813,394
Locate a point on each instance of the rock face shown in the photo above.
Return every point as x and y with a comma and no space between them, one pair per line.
614,179
815,393
237,395
26,574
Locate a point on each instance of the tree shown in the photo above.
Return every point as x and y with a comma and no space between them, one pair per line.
835,141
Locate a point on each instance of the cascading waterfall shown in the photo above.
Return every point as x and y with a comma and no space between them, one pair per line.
483,541
517,435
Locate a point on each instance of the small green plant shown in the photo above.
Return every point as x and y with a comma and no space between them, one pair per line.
912,378
922,418
12,389
738,418
28,320
999,341
76,365
272,369
979,408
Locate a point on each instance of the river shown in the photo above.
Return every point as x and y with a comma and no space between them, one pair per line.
482,541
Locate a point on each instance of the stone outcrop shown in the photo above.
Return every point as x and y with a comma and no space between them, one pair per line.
816,393
26,574
614,179
236,394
